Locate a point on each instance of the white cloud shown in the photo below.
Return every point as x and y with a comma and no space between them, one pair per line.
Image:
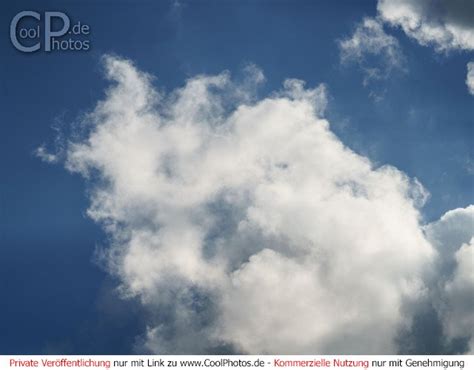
247,223
368,40
454,228
445,25
457,308
453,281
470,77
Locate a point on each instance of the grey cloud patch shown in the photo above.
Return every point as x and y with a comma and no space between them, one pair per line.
460,12
445,25
470,77
245,225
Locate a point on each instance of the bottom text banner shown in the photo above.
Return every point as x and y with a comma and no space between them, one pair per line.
236,362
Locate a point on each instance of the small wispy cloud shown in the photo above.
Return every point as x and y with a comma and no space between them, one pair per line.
377,53
42,153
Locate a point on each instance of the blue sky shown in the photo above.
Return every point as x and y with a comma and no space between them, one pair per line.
56,298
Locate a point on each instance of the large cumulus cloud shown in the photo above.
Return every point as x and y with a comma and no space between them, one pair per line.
245,224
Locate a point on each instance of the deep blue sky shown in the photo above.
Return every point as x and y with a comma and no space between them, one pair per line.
54,298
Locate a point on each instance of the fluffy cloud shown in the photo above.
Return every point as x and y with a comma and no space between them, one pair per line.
470,77
453,284
445,25
457,310
246,225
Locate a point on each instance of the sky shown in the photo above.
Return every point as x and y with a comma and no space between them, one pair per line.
202,153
